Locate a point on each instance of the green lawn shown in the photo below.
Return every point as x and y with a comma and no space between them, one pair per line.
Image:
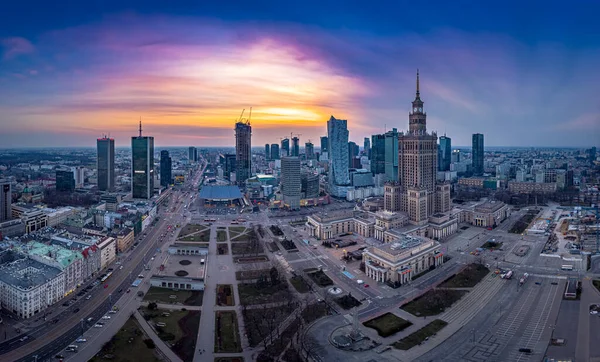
236,230
201,237
466,278
249,234
320,278
225,295
191,228
596,283
419,336
185,297
433,302
127,346
387,324
227,337
251,294
251,274
492,245
221,236
300,284
181,329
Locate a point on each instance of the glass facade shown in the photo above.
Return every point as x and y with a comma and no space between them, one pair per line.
391,155
339,178
106,163
378,154
142,167
477,154
445,154
165,169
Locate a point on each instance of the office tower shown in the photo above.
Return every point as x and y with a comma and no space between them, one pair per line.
230,165
367,147
420,197
295,147
65,181
165,169
339,178
352,153
274,151
78,175
324,144
445,154
243,152
455,156
378,154
5,200
477,154
285,147
106,163
391,155
310,185
142,166
291,185
193,154
309,150
267,151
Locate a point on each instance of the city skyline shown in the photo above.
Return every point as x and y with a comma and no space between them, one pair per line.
188,72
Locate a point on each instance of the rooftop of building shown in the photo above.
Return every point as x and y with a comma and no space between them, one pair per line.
489,206
220,192
27,273
405,243
334,215
63,256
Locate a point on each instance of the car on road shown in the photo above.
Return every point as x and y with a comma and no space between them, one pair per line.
120,290
366,285
98,325
88,297
24,338
105,286
59,356
128,290
81,340
106,317
75,310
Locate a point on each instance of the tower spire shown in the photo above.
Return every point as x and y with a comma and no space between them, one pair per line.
417,82
140,126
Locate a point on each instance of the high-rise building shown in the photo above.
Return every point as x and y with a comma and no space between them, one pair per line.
310,185
285,147
65,180
477,154
192,154
106,163
243,152
291,184
339,177
5,200
352,153
78,175
378,154
309,150
419,196
274,151
445,153
230,165
267,151
455,156
165,169
324,144
295,147
367,147
142,166
391,155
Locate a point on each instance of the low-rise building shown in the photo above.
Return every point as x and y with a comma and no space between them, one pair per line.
125,239
69,261
28,287
531,187
329,225
33,217
489,213
399,261
108,251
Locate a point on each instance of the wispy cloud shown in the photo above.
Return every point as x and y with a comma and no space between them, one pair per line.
15,46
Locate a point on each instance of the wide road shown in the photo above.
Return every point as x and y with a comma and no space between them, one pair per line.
49,339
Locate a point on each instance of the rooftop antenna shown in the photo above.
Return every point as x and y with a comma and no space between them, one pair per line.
140,126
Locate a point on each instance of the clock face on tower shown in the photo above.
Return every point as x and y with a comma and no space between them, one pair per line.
420,109
415,109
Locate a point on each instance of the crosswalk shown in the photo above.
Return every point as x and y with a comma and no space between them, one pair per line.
474,301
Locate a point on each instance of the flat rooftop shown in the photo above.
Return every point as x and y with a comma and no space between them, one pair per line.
220,193
173,266
27,273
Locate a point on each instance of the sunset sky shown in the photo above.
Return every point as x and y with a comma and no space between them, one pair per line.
522,75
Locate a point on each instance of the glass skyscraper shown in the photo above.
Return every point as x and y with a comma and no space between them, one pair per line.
339,177
285,147
378,154
165,168
295,146
445,153
106,163
274,151
391,155
324,144
142,166
477,154
243,152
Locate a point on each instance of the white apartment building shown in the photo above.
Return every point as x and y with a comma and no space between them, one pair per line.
108,251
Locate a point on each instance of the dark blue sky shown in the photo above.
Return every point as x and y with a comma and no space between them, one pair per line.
522,72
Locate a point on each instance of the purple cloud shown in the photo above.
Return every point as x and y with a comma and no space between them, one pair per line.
15,46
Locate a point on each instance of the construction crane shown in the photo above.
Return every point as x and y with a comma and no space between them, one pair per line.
249,116
241,115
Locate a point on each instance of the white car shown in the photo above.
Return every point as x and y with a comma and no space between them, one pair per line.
81,340
98,325
106,317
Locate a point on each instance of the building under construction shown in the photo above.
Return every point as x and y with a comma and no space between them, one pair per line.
243,149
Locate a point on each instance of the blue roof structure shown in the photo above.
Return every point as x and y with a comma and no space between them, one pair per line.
220,193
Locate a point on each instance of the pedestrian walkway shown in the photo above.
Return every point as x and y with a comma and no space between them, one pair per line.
166,351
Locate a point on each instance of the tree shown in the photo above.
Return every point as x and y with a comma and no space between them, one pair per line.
274,274
152,306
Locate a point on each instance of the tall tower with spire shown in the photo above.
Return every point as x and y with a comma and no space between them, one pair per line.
417,168
142,166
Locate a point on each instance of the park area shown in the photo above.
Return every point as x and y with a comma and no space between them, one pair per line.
194,233
225,295
466,278
347,301
180,329
221,236
129,341
169,296
319,277
434,302
421,335
300,284
387,324
521,225
227,337
260,323
256,293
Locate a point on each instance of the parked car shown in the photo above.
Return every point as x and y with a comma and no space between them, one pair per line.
106,317
97,325
81,340
75,310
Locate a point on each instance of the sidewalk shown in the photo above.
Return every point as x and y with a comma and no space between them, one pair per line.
166,351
